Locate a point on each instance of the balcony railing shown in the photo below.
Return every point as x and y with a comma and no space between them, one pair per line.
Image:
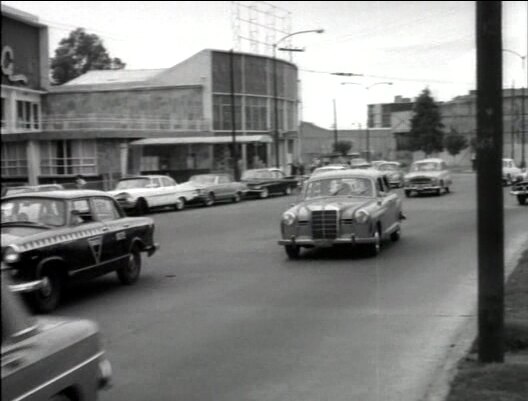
110,122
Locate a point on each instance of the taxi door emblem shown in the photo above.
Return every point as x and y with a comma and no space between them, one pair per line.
96,246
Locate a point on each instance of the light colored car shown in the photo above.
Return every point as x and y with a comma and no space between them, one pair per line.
215,188
329,167
511,173
49,358
359,163
426,176
33,188
393,172
143,192
348,207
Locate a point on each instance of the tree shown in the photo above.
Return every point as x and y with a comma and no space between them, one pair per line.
78,53
426,125
342,147
454,142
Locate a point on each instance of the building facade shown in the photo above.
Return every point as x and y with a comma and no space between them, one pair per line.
24,86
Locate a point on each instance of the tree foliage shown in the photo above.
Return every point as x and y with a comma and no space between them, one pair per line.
454,142
426,125
78,53
342,147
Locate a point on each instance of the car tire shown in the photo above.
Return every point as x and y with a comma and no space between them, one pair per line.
142,207
129,274
522,199
396,235
47,299
374,249
293,251
180,205
447,190
408,193
237,197
264,193
209,200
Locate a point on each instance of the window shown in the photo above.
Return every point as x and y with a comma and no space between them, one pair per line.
3,111
223,179
167,182
14,159
256,113
28,116
222,113
105,209
68,157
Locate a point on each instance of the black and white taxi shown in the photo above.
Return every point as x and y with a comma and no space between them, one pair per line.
60,236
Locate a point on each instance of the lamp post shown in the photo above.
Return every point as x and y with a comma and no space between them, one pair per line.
367,88
275,100
523,128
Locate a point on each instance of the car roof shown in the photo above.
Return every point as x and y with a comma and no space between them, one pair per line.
60,194
135,177
430,160
345,173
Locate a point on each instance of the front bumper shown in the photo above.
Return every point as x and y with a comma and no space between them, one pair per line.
104,379
422,188
26,286
151,249
310,242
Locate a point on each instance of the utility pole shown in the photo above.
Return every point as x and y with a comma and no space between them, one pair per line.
335,126
523,130
234,153
490,211
512,121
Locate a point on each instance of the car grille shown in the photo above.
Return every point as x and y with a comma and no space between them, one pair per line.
324,224
420,180
522,186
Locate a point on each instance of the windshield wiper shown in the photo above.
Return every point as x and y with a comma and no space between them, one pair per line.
25,223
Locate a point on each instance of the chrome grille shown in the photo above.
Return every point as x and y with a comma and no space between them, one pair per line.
324,224
420,180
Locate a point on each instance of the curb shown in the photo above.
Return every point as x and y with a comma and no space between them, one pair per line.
439,388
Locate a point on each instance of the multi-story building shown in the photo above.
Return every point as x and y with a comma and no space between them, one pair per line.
24,85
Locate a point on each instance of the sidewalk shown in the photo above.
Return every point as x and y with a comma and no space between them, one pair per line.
508,381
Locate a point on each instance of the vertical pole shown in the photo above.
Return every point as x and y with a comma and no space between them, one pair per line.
523,130
512,121
367,155
335,127
490,213
234,153
276,107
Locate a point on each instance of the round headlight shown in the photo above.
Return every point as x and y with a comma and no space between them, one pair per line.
11,254
288,218
362,216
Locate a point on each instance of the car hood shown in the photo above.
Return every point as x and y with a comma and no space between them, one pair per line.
185,186
342,204
15,235
427,174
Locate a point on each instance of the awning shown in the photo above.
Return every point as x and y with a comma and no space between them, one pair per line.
202,140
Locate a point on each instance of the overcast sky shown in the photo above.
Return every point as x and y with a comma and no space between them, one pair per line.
412,44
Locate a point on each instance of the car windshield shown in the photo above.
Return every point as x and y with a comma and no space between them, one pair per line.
205,179
426,166
133,183
40,211
350,186
252,174
388,167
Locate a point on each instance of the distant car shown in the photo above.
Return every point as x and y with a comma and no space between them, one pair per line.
33,188
330,167
70,235
359,163
393,172
428,176
520,190
376,163
266,181
49,358
216,187
511,173
141,193
348,207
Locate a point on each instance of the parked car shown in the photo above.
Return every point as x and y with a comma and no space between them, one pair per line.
141,193
266,181
511,173
329,167
393,171
49,358
216,187
70,235
359,163
520,190
33,188
348,207
428,175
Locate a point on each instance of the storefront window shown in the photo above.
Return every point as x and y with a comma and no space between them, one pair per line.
14,159
222,113
68,157
28,116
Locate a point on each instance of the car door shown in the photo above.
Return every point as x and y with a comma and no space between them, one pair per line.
223,185
170,193
114,242
387,202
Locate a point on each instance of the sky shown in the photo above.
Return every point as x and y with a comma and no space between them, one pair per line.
412,44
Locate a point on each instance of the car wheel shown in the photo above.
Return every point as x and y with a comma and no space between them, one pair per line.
407,193
130,273
522,199
395,236
447,190
180,205
293,251
264,193
374,249
142,207
237,198
287,191
209,200
47,298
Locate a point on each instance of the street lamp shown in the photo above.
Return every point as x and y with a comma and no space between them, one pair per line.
523,128
275,100
367,88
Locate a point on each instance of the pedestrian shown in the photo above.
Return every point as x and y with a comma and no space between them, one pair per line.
80,183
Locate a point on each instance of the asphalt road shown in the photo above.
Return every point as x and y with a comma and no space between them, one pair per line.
221,314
